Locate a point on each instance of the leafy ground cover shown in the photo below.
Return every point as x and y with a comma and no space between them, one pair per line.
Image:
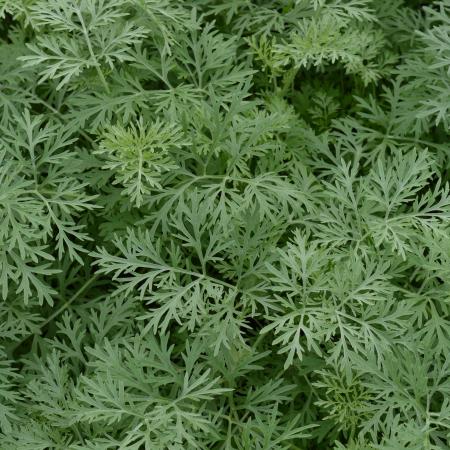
224,224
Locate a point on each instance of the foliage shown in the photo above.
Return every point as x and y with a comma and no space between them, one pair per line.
224,224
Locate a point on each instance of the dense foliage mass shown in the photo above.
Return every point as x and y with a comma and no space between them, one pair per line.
224,224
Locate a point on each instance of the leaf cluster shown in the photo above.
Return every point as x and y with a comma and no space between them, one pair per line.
224,225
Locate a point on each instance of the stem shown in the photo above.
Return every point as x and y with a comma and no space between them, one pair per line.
62,308
71,300
91,52
57,113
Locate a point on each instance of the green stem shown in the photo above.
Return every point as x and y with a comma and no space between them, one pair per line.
91,52
62,308
71,300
